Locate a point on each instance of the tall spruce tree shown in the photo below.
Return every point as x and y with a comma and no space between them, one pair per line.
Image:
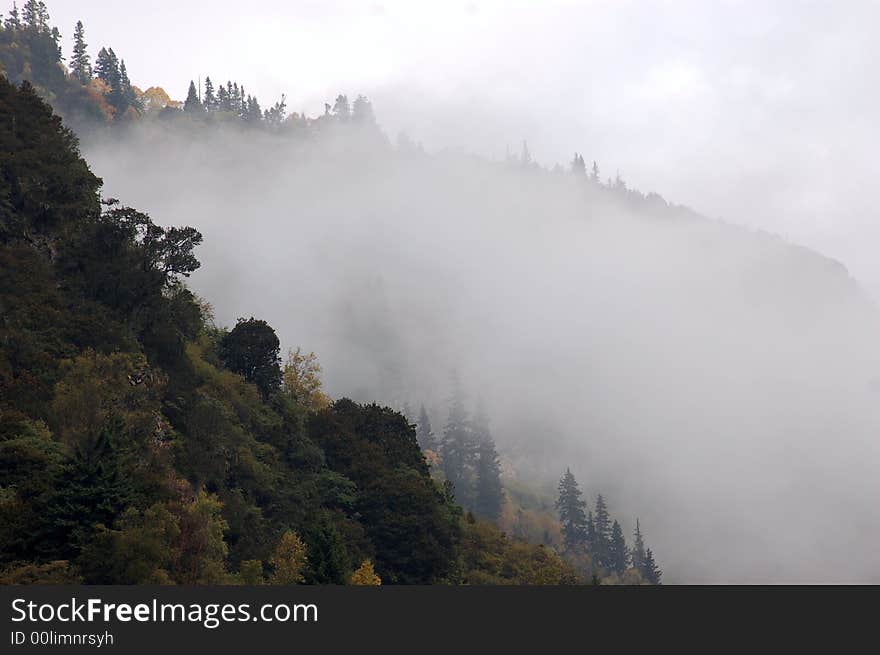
458,450
424,433
106,66
619,551
14,20
210,100
571,508
192,105
650,571
80,64
578,166
126,90
489,493
601,546
594,173
638,549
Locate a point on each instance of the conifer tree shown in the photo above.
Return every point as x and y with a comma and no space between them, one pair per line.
210,100
424,434
128,96
601,546
578,167
457,450
594,174
362,111
571,508
106,66
341,108
638,549
650,571
192,105
80,65
489,493
14,20
223,99
619,552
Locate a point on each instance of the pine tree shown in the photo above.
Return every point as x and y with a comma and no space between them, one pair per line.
424,434
578,167
80,65
591,531
457,450
14,20
31,14
223,99
489,493
619,551
192,105
638,549
650,571
601,546
341,108
210,96
362,111
129,97
104,66
571,508
594,174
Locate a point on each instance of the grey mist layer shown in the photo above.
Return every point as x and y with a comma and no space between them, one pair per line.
718,382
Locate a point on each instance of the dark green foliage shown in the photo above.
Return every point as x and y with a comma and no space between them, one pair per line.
458,451
638,550
92,489
650,570
192,104
619,555
600,543
80,63
376,449
252,350
489,496
571,508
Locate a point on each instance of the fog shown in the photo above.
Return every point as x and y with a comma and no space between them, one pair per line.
718,382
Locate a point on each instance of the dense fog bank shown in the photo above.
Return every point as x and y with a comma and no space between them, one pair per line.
721,381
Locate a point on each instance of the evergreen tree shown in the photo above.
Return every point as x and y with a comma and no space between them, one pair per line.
192,105
571,508
594,174
35,16
341,108
223,99
14,20
458,450
210,96
362,111
106,67
650,571
619,552
591,531
94,488
638,549
578,167
80,65
127,92
424,434
601,545
276,115
489,493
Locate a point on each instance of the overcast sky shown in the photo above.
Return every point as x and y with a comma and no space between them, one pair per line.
761,113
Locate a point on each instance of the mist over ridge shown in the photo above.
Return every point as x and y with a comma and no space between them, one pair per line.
716,380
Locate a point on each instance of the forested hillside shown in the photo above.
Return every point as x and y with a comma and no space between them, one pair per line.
140,443
528,373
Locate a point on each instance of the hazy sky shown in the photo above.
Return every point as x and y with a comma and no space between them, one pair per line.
760,113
